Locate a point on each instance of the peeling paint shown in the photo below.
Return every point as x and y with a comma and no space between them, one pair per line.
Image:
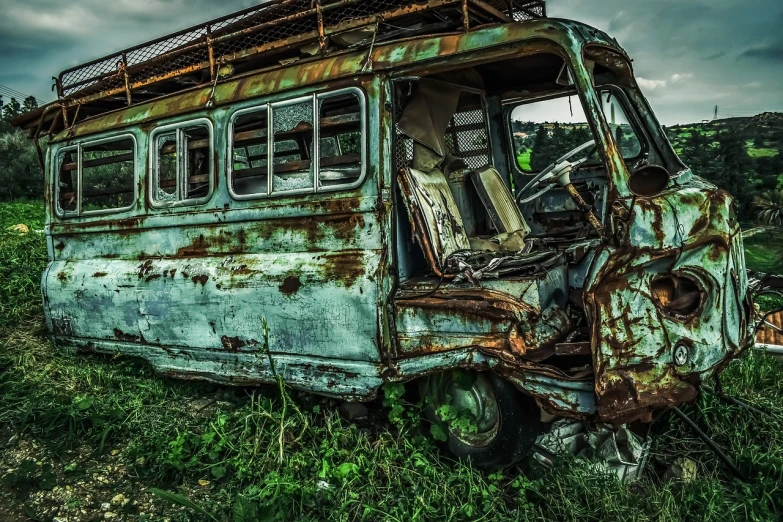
351,288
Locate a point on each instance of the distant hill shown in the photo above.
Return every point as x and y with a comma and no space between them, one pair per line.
763,133
741,155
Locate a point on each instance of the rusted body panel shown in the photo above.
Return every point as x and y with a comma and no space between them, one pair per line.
685,231
316,288
206,283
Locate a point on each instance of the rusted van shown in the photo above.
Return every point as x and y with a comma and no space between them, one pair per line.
459,192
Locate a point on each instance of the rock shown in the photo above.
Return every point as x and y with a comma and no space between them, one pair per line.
683,469
119,500
21,227
109,515
105,506
203,483
353,410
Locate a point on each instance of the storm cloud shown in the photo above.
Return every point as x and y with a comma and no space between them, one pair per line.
689,56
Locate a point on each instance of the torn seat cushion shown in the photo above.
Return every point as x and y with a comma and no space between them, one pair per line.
504,242
431,206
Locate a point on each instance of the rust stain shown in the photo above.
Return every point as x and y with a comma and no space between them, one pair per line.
290,286
203,278
345,268
122,336
231,344
144,269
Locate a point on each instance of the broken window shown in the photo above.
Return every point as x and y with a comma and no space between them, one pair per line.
339,133
293,139
67,181
182,160
249,170
97,177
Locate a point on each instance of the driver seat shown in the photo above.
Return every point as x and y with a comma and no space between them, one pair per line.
497,199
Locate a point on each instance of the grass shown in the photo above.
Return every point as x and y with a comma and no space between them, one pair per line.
764,152
86,430
523,160
764,252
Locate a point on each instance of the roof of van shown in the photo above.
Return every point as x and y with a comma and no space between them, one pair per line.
274,32
208,57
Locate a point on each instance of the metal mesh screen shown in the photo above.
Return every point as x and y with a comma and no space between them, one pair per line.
273,21
466,136
403,145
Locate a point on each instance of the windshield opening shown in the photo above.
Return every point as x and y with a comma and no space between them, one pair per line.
544,130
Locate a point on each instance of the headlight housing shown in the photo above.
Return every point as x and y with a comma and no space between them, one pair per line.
677,295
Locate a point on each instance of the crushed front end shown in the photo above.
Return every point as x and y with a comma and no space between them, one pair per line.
618,283
669,304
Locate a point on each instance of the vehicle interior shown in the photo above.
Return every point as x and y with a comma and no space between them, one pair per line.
500,178
465,136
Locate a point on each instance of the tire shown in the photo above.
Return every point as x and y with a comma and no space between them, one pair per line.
507,424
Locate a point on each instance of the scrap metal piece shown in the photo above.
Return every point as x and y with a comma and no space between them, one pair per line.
619,451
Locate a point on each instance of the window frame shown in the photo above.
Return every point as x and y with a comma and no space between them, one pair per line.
269,108
154,169
58,210
616,91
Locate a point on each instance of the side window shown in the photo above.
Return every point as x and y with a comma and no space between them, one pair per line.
249,168
337,136
544,130
97,177
182,161
68,181
341,139
293,139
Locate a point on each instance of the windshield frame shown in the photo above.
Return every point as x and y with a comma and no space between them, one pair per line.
616,91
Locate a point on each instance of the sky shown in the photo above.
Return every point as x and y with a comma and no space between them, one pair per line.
689,55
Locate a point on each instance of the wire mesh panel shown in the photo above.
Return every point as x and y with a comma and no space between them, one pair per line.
252,30
403,144
467,136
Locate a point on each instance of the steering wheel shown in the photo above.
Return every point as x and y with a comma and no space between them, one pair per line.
553,171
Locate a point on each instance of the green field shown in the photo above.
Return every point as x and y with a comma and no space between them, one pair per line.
764,252
523,160
87,435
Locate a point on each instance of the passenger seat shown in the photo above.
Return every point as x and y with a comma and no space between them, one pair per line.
500,204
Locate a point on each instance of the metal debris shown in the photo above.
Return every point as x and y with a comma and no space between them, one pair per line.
618,451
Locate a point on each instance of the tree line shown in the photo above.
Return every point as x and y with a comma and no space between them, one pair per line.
21,176
723,159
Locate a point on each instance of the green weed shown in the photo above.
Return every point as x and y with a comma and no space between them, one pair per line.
274,454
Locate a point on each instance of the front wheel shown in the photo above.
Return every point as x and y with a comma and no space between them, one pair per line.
486,420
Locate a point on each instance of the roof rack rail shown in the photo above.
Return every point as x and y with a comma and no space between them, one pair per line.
273,30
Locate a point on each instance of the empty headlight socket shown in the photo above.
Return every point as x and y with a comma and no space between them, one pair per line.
678,295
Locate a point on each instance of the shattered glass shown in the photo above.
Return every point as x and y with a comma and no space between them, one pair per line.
293,135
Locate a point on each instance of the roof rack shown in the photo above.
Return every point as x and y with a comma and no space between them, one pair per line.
273,33
274,28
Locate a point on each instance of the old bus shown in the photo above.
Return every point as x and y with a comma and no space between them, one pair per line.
463,193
